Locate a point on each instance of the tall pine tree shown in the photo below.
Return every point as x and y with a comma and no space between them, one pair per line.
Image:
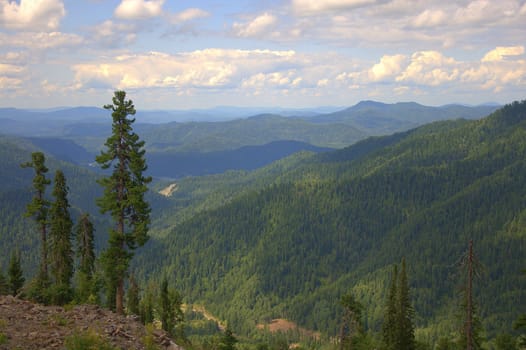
38,208
406,329
85,252
61,251
351,321
123,197
398,329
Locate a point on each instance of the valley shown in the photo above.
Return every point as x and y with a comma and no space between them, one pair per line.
267,221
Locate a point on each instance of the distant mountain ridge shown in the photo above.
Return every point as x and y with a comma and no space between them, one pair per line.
337,222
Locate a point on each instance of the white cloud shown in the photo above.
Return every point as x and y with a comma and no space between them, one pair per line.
139,9
32,15
211,68
112,34
40,41
499,53
316,7
389,66
430,68
256,27
430,18
188,15
495,73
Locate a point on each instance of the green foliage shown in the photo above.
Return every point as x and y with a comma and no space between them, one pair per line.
228,340
132,297
505,341
85,245
38,208
351,328
123,196
170,313
61,252
4,286
15,274
87,340
338,220
85,251
146,306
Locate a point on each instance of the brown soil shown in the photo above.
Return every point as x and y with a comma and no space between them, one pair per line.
282,325
29,326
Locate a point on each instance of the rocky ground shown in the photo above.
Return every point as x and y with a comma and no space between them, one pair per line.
28,326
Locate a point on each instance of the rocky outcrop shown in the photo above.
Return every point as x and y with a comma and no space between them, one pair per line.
29,326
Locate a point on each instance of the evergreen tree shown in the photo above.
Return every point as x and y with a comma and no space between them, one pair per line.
390,326
228,340
146,306
471,332
132,297
4,286
398,328
405,313
166,309
61,252
170,311
350,326
86,287
15,275
38,208
123,196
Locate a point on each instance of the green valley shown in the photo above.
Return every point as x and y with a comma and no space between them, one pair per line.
288,240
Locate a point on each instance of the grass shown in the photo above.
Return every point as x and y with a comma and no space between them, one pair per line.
88,340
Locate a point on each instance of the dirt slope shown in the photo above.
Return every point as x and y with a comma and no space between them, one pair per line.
29,326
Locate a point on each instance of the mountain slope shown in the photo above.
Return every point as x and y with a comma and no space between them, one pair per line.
291,250
377,118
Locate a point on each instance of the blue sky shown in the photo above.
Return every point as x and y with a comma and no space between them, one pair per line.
288,53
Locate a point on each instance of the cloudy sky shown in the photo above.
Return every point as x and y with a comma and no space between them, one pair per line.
170,54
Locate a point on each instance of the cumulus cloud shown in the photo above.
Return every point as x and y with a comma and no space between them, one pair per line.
256,27
499,53
315,7
211,68
188,15
139,9
430,68
40,41
31,15
112,34
430,18
389,66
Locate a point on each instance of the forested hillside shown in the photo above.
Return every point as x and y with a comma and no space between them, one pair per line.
342,219
290,239
16,231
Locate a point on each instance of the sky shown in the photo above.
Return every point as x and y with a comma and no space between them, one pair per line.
288,53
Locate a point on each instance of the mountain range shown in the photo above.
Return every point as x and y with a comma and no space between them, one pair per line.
287,240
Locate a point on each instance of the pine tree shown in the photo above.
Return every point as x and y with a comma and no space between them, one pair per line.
4,286
166,309
61,252
123,197
170,310
38,208
15,275
228,340
406,335
86,259
350,326
398,329
470,334
390,326
132,297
